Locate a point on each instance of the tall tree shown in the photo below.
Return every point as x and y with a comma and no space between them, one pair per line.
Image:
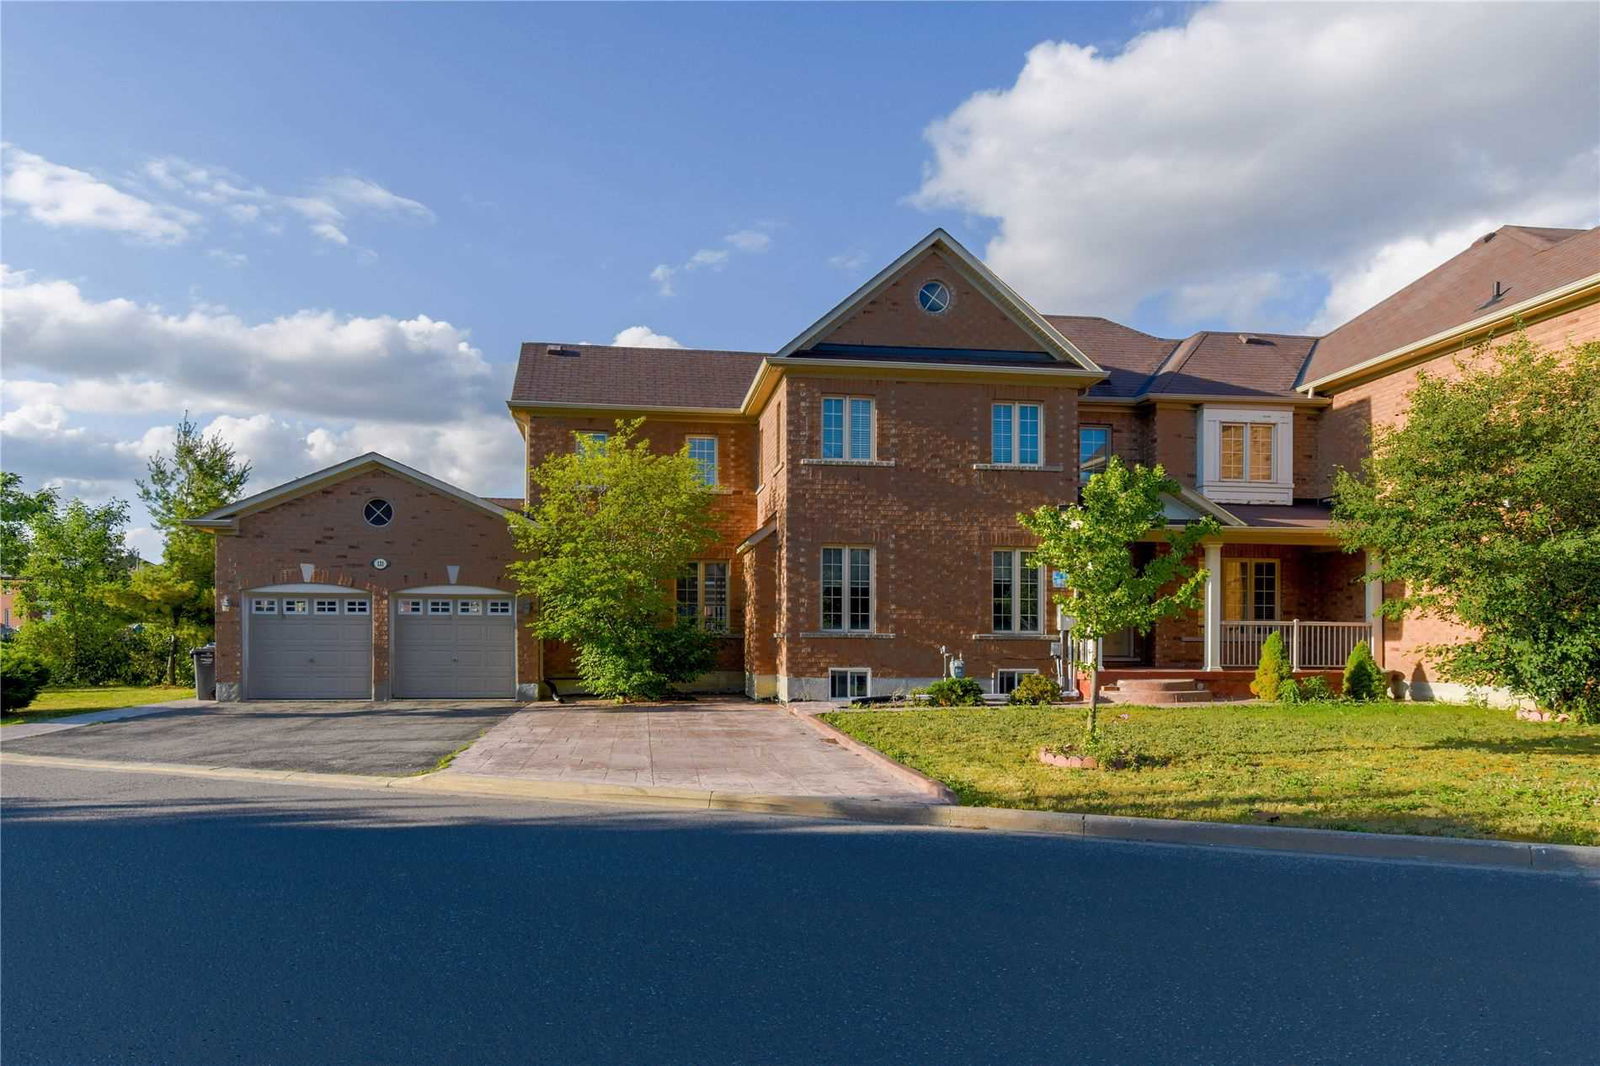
157,594
1091,544
1485,505
75,553
200,474
17,509
614,527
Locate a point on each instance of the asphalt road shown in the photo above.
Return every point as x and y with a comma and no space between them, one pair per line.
167,920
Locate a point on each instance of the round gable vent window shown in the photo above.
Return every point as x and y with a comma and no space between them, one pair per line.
378,513
934,297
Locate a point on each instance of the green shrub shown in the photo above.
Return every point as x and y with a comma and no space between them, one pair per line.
1363,681
1272,670
955,692
1035,689
22,675
1309,690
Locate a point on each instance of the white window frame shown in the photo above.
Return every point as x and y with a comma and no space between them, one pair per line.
847,452
499,607
409,605
849,672
324,606
301,606
846,586
1276,489
263,605
1017,556
599,436
699,608
1247,587
357,606
472,608
1083,467
434,605
1013,409
713,466
1016,674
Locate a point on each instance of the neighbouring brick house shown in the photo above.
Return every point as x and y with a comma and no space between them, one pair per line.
868,478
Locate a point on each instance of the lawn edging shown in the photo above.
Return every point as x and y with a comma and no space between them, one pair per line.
1561,859
933,788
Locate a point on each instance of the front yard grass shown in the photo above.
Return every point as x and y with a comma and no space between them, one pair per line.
1434,769
61,702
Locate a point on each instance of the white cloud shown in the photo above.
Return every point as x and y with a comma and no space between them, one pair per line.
850,262
227,258
643,337
748,241
62,196
1304,140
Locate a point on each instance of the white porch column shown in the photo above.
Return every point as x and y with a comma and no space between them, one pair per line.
1374,600
1213,609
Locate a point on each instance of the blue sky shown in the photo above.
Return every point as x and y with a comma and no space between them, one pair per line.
326,227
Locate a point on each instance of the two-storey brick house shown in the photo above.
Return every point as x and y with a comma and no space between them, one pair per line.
869,474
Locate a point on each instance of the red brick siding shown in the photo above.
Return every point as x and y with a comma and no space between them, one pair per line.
893,317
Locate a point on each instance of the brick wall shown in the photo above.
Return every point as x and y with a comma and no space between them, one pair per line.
893,317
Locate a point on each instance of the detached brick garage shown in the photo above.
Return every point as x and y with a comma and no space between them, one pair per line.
369,580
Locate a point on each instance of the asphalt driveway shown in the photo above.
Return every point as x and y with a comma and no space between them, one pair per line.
333,737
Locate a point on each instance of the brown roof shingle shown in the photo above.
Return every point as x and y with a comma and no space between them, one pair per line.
1128,356
1525,260
633,377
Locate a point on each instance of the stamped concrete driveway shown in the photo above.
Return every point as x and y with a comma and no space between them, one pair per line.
404,737
733,746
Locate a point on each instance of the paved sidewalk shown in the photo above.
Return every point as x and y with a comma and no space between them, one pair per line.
117,714
720,745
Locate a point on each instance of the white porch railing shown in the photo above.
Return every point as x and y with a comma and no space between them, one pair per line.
1310,645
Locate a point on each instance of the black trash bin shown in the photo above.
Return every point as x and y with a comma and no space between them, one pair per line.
205,672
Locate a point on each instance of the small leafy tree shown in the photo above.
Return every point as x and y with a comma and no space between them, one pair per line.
75,553
1273,670
157,594
1485,505
1035,689
17,510
1363,681
614,525
22,675
1092,542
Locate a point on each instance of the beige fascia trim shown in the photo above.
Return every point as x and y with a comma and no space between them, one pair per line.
534,408
1574,294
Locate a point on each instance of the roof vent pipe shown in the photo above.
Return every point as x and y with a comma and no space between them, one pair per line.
1499,291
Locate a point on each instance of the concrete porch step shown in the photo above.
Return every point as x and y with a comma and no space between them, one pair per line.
1156,691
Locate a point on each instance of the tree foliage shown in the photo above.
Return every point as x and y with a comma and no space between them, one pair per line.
614,526
159,595
1273,669
1363,681
200,474
22,675
1485,504
1091,543
18,509
75,553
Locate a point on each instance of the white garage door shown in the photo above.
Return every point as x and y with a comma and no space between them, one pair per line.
455,647
309,647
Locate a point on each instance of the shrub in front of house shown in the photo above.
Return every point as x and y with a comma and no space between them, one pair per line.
22,675
955,692
1363,681
1308,690
1036,689
1272,670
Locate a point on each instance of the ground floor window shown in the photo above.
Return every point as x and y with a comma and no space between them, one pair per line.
1250,590
703,594
1005,681
1018,598
849,683
847,589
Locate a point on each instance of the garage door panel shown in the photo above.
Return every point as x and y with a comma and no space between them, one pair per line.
455,656
309,657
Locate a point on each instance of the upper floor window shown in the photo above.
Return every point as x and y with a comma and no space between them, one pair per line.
847,427
847,589
1094,448
1014,434
598,439
1018,599
1244,451
702,594
703,450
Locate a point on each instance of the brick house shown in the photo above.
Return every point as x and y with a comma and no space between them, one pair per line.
868,478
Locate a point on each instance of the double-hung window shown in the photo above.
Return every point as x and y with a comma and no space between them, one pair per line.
1245,451
1018,596
703,594
1015,434
847,427
703,450
847,590
1094,448
1250,590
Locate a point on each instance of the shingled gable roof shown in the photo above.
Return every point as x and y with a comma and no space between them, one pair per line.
1527,261
227,517
1225,365
598,375
1030,321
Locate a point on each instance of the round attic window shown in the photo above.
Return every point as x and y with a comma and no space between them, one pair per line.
934,297
378,513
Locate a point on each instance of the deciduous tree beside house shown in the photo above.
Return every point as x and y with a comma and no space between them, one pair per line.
614,525
1485,505
75,553
1091,544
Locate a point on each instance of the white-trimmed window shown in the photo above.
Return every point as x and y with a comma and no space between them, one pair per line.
1250,590
702,594
849,428
1246,454
847,589
469,607
410,607
1245,451
326,606
703,450
1016,434
1018,592
1094,448
598,438
261,606
439,607
294,606
357,606
499,606
1005,681
849,683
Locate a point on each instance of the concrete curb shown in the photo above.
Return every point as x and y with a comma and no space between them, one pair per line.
1565,859
936,791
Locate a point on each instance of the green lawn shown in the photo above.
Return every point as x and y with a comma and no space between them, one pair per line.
1435,769
60,702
